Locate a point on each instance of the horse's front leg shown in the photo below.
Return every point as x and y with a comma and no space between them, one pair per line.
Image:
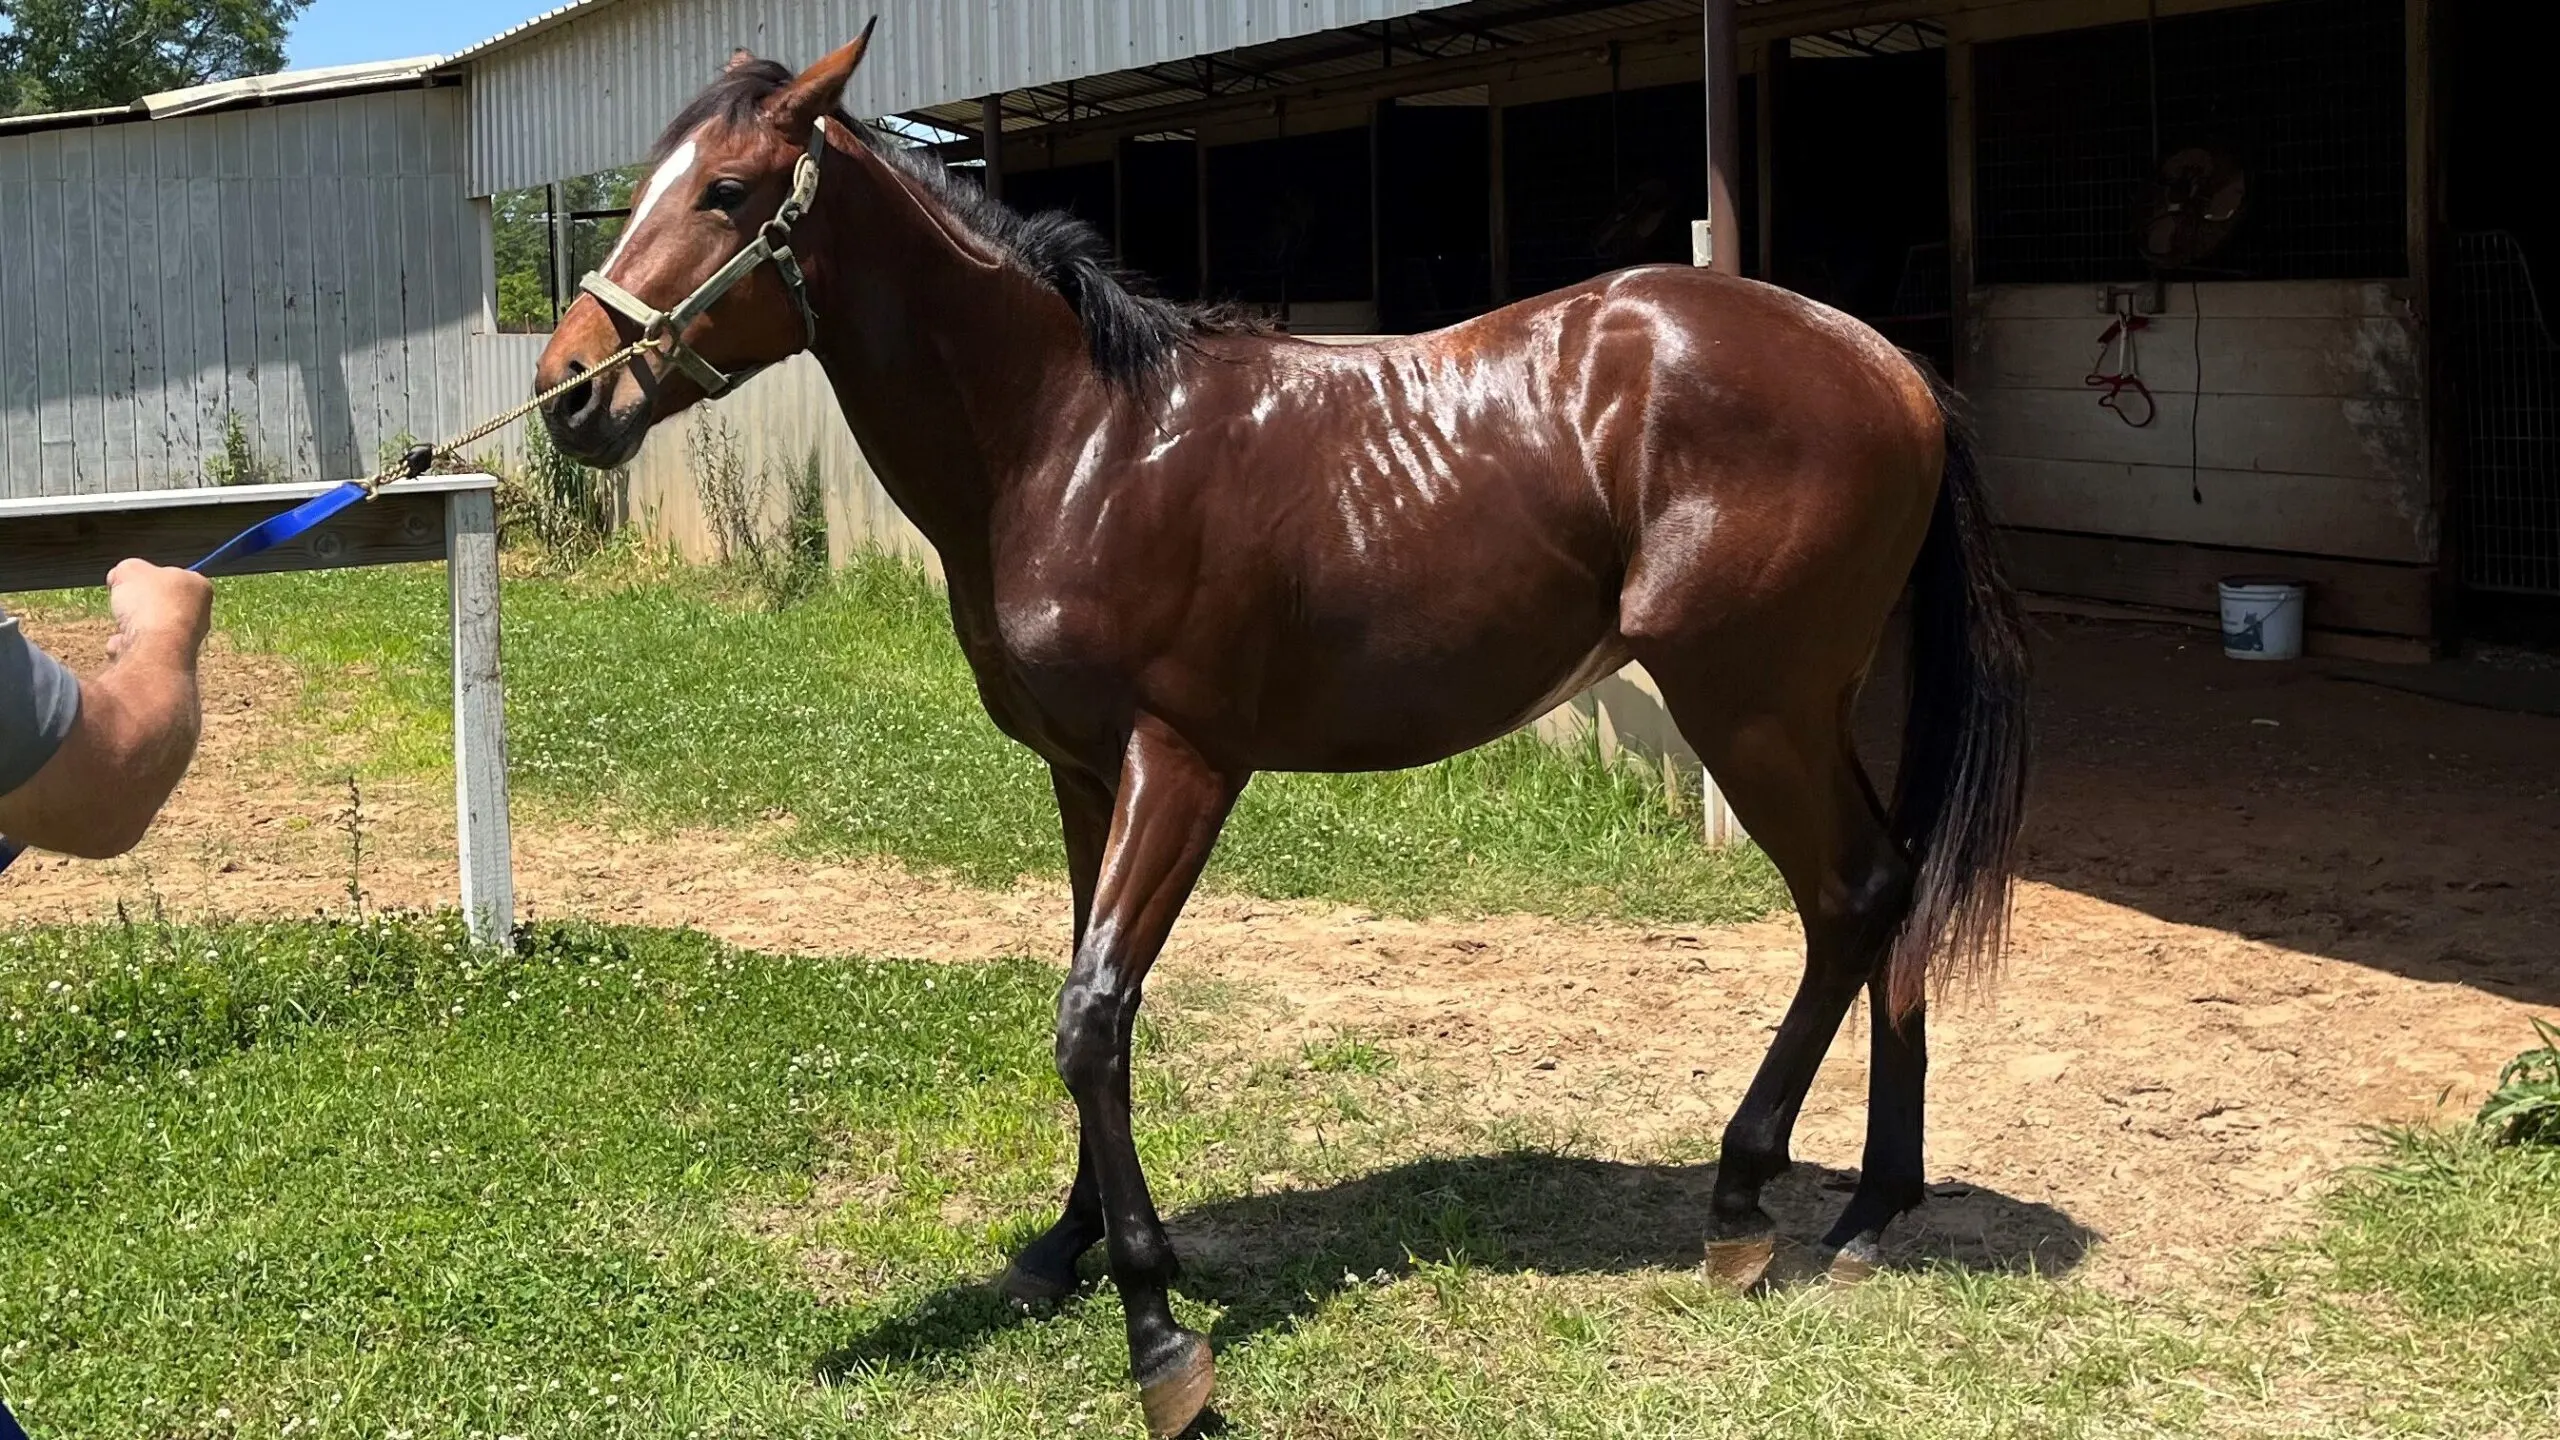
1045,1271
1170,805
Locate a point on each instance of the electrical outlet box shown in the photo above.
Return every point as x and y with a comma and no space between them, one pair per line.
2146,297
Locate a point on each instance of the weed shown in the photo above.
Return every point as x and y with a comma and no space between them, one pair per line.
720,484
351,822
2524,1109
781,565
240,463
1344,1053
552,508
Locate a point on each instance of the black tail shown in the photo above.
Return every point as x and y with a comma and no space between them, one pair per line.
1960,792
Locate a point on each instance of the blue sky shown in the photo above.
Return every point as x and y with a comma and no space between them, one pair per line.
343,32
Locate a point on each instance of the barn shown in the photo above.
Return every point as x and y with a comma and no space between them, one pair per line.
2233,286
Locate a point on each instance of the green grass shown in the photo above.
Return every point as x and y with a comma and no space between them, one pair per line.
361,1181
853,717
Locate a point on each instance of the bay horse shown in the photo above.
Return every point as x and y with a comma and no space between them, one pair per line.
1181,550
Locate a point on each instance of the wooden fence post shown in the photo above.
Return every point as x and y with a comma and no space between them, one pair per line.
479,719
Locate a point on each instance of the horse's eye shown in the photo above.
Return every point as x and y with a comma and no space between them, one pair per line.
725,195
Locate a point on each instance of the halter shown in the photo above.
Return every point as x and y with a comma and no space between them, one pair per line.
665,328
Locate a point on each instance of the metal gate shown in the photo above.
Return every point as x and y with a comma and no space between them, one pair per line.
2507,407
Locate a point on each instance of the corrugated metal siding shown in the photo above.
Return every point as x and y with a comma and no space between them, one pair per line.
500,378
593,92
781,417
309,268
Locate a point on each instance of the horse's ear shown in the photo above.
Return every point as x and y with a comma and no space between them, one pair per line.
819,92
739,59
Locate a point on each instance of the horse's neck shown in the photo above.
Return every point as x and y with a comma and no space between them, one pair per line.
949,366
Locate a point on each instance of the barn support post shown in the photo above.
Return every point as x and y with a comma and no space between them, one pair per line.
1200,206
484,231
555,229
1120,199
1498,213
1717,242
2430,256
1960,203
479,719
991,143
1773,66
1378,112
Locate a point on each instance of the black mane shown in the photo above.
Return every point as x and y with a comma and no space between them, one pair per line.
1130,332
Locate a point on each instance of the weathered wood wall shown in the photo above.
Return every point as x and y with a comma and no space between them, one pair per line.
2294,409
2291,407
309,269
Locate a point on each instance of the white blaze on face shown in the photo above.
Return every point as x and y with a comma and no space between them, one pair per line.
676,167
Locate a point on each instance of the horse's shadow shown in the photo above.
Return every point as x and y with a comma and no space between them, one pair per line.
1270,1258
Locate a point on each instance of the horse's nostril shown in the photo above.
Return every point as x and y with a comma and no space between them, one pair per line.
572,403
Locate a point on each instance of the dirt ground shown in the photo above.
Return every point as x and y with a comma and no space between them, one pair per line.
2269,907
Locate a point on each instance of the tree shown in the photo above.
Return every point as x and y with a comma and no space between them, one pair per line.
523,243
81,54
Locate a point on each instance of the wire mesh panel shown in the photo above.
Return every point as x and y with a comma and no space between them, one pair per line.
2507,387
2307,95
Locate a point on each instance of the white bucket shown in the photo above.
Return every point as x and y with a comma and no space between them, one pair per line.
2262,618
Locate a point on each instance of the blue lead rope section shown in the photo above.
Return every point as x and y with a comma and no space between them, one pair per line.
267,534
293,524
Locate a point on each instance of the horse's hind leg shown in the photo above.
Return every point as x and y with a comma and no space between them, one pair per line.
1890,1178
1795,782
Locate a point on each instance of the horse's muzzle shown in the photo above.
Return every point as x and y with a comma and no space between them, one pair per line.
585,426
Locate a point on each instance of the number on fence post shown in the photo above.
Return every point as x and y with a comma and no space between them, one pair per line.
479,718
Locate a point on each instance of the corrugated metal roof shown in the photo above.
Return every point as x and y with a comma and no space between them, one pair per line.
588,85
523,30
280,88
59,119
1473,29
288,85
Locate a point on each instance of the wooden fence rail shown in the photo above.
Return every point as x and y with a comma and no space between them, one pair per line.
70,541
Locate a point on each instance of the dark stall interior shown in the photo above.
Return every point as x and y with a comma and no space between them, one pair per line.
1859,165
1596,183
1435,217
2503,360
1084,191
1160,212
1289,220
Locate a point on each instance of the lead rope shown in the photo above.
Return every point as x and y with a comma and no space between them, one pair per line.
422,458
310,514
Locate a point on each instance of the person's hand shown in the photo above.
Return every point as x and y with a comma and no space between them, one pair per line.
154,604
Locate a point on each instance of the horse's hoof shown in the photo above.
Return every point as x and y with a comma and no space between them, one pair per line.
1856,1261
1032,1291
1742,1263
1178,1391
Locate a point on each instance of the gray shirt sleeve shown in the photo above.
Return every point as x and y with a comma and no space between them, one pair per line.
39,701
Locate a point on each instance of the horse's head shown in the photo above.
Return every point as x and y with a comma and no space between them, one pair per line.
706,267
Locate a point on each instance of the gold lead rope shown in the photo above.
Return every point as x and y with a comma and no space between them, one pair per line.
423,458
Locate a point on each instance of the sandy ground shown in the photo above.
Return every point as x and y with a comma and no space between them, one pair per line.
2269,908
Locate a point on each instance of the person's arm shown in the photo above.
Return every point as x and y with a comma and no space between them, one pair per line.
137,726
